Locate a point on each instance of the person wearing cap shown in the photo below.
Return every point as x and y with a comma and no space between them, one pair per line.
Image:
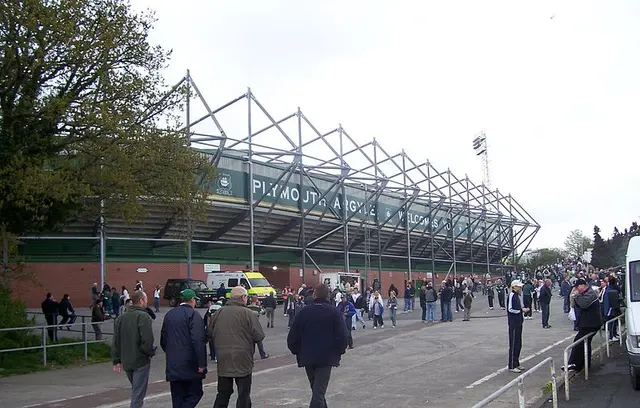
133,347
183,340
586,302
515,319
235,330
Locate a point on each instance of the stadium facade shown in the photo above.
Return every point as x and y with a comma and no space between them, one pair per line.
293,201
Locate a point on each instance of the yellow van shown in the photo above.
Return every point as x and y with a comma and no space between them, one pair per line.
255,282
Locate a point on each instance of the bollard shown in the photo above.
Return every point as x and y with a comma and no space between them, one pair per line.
554,384
44,346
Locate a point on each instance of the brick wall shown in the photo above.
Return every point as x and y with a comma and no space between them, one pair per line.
76,278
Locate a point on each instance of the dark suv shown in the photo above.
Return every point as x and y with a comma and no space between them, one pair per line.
173,287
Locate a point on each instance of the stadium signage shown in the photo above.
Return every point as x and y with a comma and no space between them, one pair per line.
231,184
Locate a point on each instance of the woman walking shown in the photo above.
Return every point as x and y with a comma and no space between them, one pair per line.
392,304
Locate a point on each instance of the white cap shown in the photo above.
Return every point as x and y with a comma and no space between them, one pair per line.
516,283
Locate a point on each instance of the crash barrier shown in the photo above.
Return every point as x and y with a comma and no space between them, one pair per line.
600,349
44,331
519,382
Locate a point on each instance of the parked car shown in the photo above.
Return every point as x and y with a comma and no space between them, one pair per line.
174,287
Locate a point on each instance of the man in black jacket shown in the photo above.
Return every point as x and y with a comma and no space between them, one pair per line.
423,302
589,321
182,339
318,338
545,301
50,311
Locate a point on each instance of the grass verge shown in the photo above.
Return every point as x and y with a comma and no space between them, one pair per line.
24,362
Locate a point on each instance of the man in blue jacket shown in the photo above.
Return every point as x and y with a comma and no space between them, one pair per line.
318,338
347,310
182,339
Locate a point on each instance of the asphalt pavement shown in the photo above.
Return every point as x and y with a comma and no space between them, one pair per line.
442,365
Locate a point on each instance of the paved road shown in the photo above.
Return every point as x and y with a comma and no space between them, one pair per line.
609,385
444,365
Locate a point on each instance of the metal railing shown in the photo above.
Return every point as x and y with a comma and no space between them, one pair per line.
519,381
620,331
44,335
586,358
83,319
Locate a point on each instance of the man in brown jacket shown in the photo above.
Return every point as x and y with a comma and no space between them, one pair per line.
235,330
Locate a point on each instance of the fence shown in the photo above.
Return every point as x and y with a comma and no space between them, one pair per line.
83,319
519,381
599,349
44,333
620,331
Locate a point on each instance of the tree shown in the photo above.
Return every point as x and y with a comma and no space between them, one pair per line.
577,243
601,256
544,256
85,117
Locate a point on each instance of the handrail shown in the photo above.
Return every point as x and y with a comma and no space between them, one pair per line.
44,333
519,381
606,331
565,357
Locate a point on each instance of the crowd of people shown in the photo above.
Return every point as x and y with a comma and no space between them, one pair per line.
107,303
321,321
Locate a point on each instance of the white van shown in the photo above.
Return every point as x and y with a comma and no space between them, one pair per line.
340,279
632,314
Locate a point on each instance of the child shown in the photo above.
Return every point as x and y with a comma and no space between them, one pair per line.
466,301
392,304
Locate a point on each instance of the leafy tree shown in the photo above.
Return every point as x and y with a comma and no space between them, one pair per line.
601,256
577,243
85,117
544,256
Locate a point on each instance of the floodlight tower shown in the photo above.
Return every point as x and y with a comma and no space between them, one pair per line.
480,148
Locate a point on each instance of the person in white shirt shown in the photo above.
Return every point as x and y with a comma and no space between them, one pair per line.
156,298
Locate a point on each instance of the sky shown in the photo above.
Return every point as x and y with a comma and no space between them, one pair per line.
558,98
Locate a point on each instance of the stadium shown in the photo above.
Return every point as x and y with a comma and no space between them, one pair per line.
291,201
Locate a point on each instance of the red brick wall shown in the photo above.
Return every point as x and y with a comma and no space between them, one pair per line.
76,278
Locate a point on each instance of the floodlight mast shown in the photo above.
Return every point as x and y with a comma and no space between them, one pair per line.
480,148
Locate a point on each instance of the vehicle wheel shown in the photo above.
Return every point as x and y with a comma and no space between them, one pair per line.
173,302
635,378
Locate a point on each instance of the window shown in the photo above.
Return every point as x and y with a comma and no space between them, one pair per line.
259,282
244,283
197,285
634,280
232,283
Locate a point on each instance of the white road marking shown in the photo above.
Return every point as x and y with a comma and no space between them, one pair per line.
503,369
212,384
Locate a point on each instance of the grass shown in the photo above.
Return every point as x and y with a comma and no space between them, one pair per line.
548,387
24,362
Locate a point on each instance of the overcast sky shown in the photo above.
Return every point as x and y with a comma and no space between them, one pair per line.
559,98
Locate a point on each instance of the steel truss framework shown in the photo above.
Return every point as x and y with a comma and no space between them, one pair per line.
293,150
